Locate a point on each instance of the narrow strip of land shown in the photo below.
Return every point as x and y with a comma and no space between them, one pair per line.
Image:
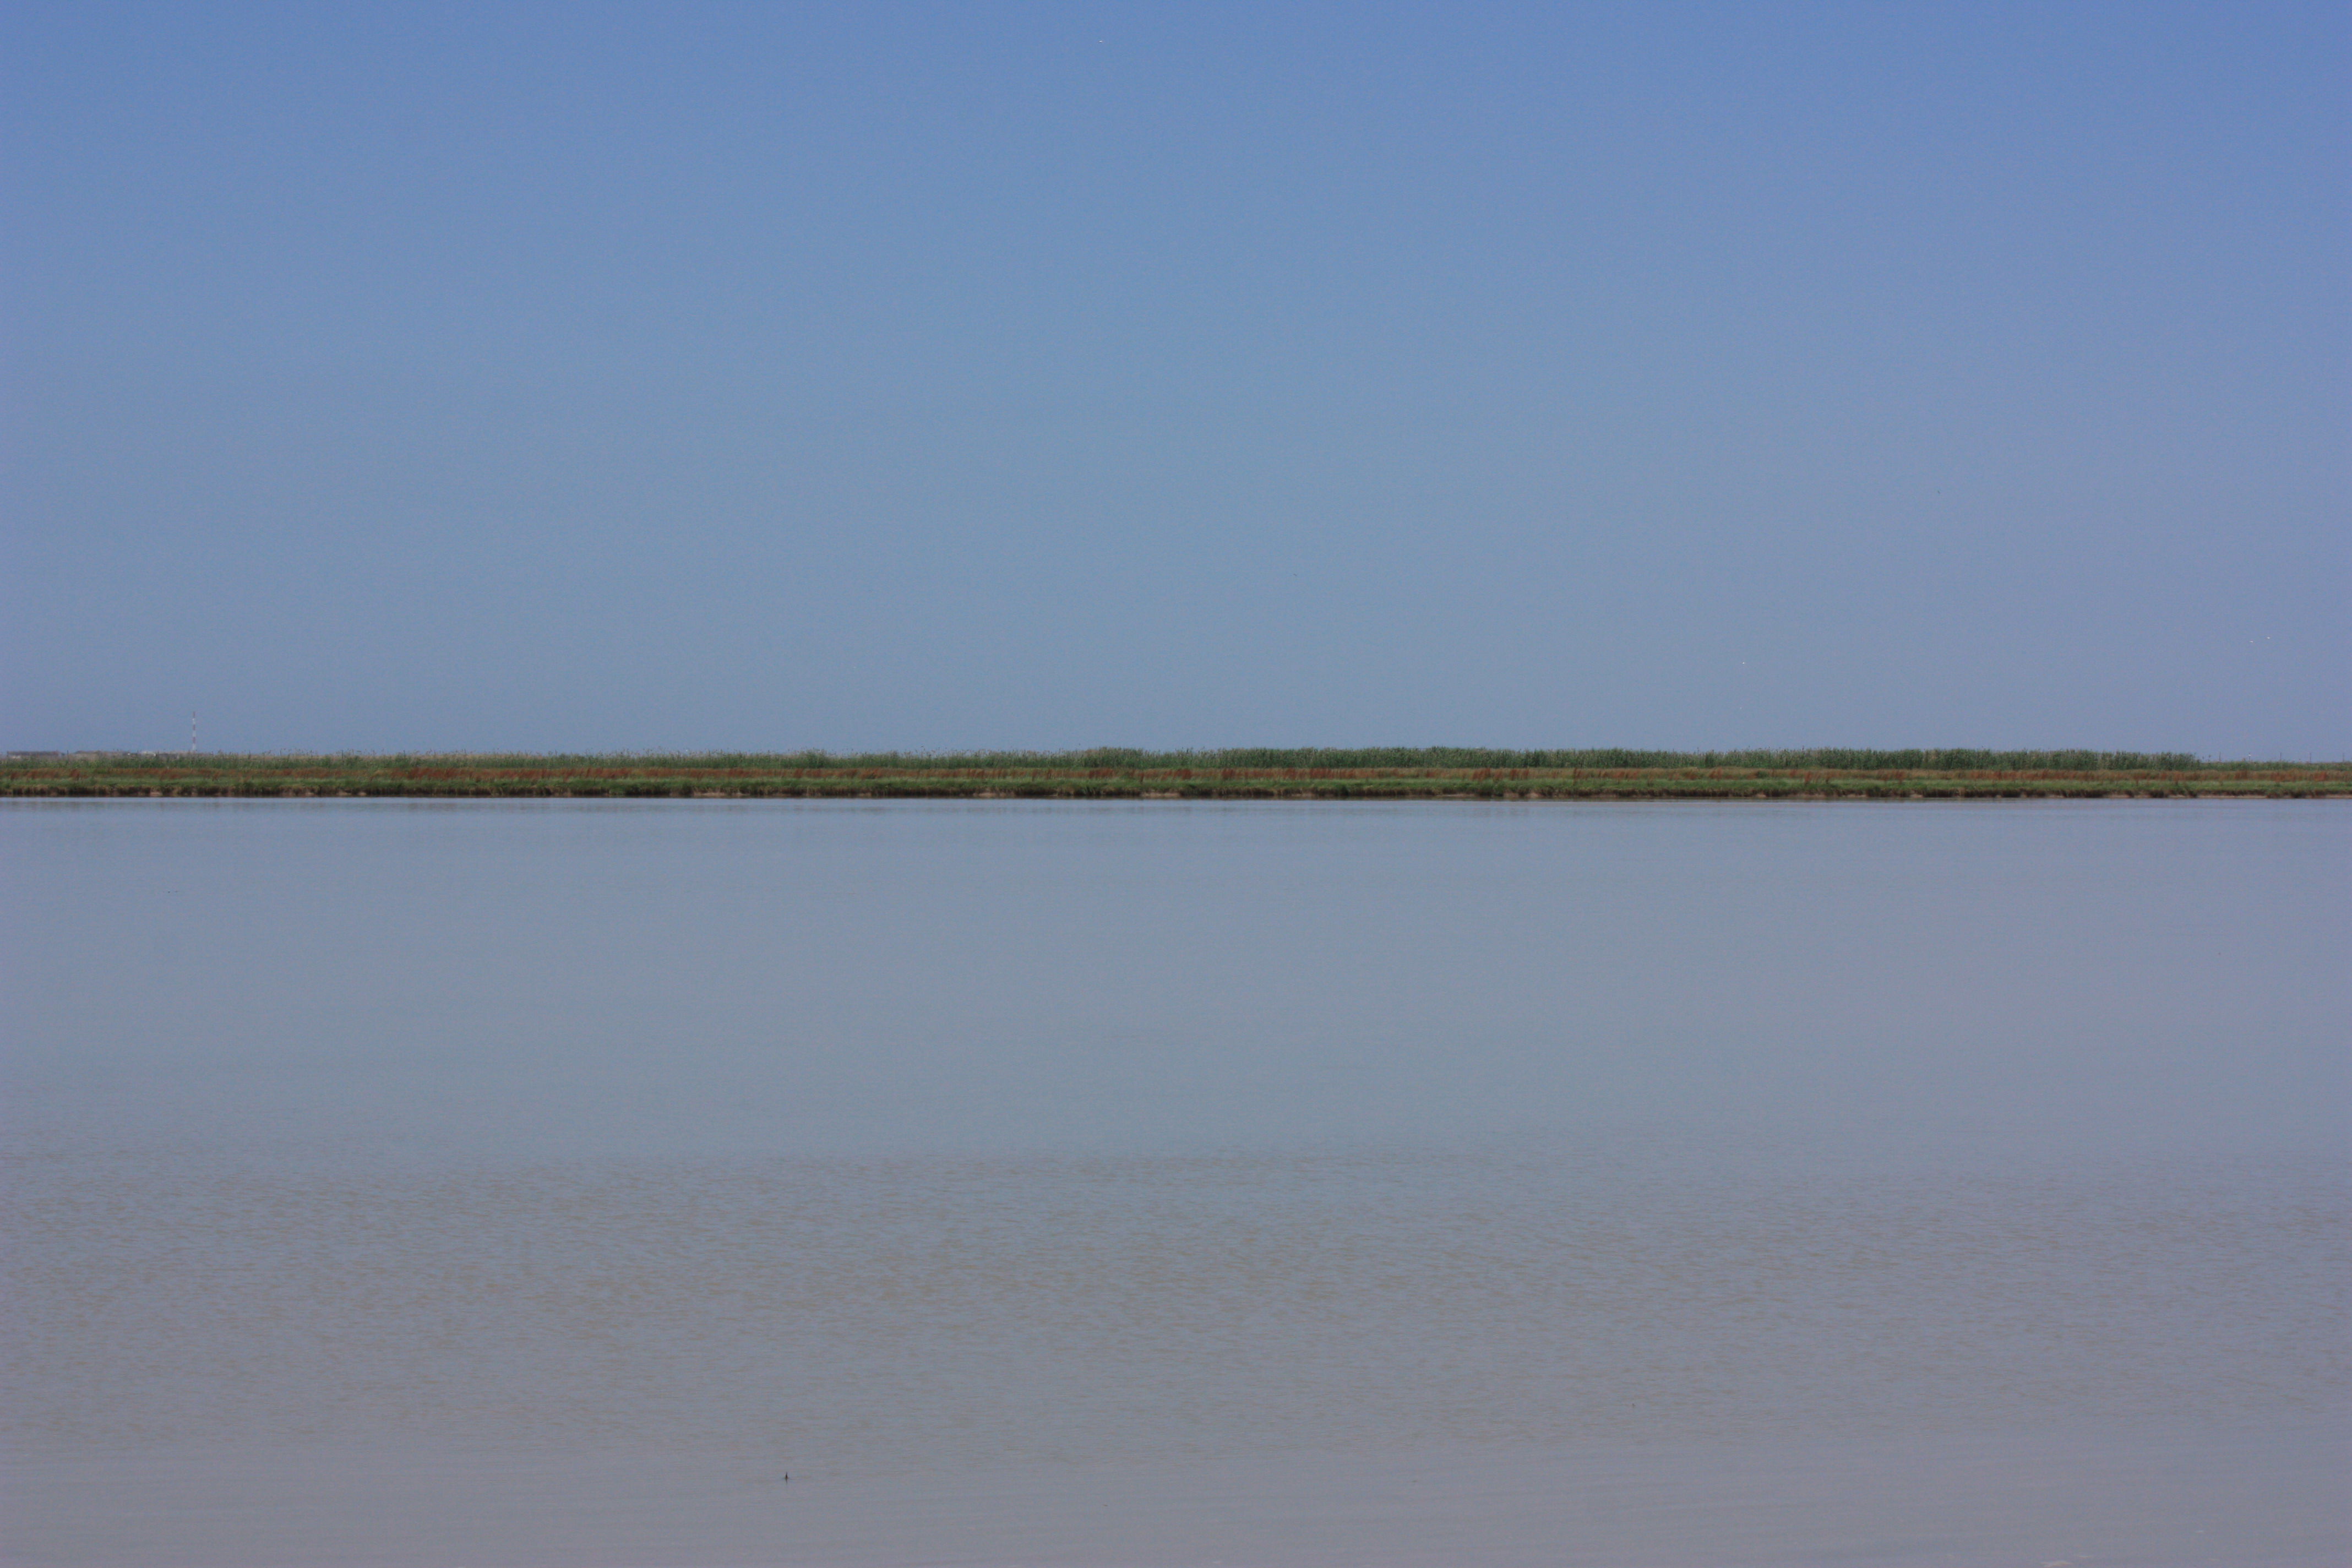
1389,773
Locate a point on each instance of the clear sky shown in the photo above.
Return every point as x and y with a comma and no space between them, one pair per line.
654,376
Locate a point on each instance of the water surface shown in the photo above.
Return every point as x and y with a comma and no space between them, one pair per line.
509,1183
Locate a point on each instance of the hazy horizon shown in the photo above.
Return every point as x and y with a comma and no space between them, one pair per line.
1149,751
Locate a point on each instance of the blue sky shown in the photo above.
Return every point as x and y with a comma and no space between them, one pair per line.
611,377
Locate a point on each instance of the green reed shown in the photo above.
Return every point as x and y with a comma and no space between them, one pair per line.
1235,772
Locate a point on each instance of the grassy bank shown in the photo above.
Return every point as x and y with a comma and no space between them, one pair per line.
1388,773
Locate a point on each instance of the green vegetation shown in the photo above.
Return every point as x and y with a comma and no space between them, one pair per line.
1435,773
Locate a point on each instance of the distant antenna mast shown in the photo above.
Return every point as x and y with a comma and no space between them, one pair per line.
192,731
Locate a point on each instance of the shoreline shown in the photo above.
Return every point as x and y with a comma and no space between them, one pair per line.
1239,776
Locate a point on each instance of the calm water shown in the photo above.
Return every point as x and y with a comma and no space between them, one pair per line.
413,1182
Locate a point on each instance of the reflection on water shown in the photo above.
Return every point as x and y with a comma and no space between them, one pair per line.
1100,1184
